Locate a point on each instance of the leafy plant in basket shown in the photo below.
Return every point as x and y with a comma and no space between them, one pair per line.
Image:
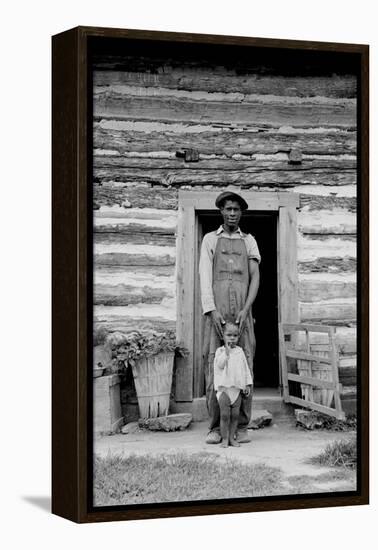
151,356
129,348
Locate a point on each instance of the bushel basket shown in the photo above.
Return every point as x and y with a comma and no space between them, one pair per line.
153,382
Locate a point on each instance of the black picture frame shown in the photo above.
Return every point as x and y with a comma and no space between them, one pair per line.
73,267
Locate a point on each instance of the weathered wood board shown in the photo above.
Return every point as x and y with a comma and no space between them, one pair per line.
190,78
271,112
145,137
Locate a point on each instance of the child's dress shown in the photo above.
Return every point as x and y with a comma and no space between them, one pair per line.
233,376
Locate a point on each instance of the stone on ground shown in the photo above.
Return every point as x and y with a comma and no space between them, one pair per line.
311,420
260,419
169,423
130,428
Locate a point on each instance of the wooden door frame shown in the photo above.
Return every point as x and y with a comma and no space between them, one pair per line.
190,204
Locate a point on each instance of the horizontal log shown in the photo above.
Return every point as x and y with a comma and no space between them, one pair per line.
327,202
330,191
313,291
148,312
324,312
311,249
348,392
124,295
134,276
125,213
143,237
186,78
346,339
258,177
324,237
327,222
257,164
348,376
111,226
121,259
348,362
132,225
129,324
328,265
127,92
120,286
124,137
104,272
108,194
133,254
271,113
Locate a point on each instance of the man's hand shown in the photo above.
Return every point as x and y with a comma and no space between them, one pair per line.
247,391
218,321
240,319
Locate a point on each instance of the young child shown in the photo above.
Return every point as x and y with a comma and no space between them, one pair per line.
232,378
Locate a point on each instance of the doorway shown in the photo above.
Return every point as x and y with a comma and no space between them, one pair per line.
273,221
263,226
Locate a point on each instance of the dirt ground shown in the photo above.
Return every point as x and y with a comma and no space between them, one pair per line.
280,445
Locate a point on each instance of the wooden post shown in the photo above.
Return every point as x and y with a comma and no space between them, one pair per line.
285,383
288,309
287,264
185,301
198,367
334,356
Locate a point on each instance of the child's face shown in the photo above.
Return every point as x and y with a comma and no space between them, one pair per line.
231,336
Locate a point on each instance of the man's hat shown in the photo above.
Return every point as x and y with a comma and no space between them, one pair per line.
229,195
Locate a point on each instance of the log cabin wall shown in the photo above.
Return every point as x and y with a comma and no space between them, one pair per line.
254,129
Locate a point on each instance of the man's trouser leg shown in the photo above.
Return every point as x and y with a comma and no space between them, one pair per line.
214,413
213,410
245,412
211,343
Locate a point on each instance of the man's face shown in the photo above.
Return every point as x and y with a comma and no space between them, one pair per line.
231,213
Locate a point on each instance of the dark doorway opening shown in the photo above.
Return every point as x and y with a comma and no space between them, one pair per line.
263,226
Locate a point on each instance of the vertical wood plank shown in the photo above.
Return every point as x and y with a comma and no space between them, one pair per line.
288,276
285,383
335,371
288,308
185,301
199,374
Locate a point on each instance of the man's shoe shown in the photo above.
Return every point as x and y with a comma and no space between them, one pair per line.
213,438
243,437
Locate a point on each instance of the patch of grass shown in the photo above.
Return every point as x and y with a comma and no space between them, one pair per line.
338,453
319,421
331,423
176,477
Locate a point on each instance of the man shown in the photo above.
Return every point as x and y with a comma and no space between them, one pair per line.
229,274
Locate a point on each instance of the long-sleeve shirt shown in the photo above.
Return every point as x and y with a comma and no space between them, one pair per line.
233,372
206,261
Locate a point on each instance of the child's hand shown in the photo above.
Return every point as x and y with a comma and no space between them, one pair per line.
247,391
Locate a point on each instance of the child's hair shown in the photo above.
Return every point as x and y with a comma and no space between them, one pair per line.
229,324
